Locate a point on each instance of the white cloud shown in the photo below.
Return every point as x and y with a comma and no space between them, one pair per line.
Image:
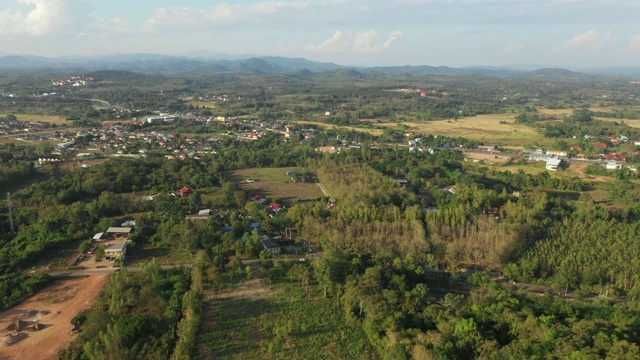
364,42
190,18
634,43
115,25
590,40
37,18
512,48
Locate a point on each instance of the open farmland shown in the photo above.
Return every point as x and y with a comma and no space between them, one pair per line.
58,120
499,129
273,183
376,132
255,320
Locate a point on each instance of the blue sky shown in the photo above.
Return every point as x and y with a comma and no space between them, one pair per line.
567,33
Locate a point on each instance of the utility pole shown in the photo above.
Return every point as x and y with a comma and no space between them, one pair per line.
10,215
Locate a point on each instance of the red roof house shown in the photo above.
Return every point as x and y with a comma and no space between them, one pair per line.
185,191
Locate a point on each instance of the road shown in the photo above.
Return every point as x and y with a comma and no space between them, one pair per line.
112,269
532,289
324,191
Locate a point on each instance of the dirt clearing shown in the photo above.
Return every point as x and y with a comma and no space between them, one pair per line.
40,327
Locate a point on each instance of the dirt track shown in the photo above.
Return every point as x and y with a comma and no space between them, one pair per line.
53,308
579,168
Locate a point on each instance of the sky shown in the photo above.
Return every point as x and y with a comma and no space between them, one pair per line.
564,33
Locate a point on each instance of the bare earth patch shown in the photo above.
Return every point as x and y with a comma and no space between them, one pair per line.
40,327
579,168
492,158
273,183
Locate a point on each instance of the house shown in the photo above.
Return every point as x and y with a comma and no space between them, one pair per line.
600,144
616,157
202,215
115,251
553,164
486,148
540,157
255,226
119,230
557,153
98,236
576,147
269,245
185,191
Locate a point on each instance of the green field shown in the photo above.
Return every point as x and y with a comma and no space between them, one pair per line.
254,320
273,183
497,129
58,120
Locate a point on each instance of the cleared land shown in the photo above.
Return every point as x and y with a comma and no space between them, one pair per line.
498,129
495,128
58,120
52,308
273,183
376,132
254,320
488,157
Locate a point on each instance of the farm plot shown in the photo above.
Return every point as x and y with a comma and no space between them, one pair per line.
40,327
499,129
255,320
51,119
273,183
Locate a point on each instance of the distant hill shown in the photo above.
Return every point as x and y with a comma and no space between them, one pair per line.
211,62
553,73
116,75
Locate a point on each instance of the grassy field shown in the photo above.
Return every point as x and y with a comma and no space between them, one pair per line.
498,129
376,132
254,320
58,120
273,183
205,104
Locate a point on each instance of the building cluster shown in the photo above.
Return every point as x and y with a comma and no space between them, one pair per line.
74,81
21,128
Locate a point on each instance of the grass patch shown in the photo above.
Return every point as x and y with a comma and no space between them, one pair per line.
254,320
58,120
498,129
273,183
204,104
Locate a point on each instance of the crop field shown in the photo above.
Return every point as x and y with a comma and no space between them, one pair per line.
375,132
254,320
58,120
498,129
273,183
204,104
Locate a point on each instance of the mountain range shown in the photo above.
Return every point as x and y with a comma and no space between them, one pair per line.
207,62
